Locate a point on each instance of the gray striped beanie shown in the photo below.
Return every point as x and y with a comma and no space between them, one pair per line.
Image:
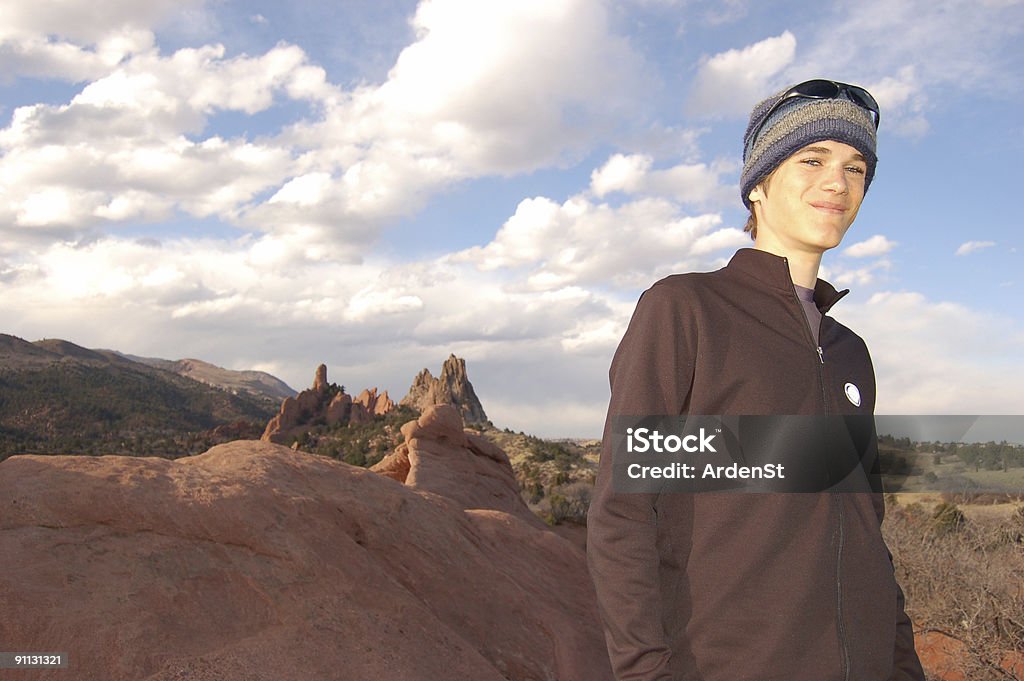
796,124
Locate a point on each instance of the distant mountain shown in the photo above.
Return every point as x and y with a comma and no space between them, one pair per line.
58,397
257,383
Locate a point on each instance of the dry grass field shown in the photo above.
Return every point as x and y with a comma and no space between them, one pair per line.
961,565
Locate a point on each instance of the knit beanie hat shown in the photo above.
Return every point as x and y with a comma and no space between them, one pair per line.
797,123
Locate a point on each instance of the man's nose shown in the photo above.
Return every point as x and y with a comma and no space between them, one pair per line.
836,180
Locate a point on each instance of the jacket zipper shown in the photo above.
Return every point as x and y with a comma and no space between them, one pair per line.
841,629
821,363
839,596
816,346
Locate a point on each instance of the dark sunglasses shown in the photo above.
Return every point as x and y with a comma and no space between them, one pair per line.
823,89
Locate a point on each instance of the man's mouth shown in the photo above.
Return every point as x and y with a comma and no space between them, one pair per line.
829,207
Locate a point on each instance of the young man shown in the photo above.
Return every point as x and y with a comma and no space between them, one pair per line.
712,586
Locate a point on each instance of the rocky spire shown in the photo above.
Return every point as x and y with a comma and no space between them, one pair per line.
451,387
320,380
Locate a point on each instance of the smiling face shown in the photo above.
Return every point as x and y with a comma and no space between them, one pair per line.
811,200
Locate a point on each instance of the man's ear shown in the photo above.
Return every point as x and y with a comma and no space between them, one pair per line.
756,194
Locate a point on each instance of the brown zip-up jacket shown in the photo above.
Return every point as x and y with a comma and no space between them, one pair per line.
743,587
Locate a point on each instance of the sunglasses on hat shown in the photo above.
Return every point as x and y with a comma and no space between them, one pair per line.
820,88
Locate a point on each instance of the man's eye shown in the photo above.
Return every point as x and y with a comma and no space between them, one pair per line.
856,169
812,161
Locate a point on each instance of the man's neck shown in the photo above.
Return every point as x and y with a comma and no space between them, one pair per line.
803,267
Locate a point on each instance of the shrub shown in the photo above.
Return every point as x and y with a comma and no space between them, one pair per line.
948,517
567,503
964,583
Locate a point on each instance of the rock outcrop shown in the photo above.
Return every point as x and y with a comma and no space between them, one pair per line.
255,562
375,404
440,456
451,387
324,403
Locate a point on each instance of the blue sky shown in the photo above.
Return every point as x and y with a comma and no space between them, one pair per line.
375,185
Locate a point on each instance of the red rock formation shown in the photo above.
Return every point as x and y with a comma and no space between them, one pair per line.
298,410
339,410
439,456
320,380
359,414
385,405
377,405
451,387
256,563
317,404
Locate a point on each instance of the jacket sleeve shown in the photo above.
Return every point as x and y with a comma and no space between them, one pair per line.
650,375
906,665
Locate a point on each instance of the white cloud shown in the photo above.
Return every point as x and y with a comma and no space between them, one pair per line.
377,323
305,190
76,41
856,276
930,358
76,186
576,419
620,173
972,246
370,303
195,82
484,89
41,57
82,22
696,183
488,69
380,322
123,150
903,101
600,337
871,247
580,242
909,52
730,82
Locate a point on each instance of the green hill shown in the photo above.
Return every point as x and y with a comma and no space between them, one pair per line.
57,397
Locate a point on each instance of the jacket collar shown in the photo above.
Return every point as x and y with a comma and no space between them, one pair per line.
773,270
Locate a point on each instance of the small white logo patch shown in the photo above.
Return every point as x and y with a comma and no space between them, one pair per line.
852,394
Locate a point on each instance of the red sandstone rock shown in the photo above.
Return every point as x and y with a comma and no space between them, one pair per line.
256,563
359,414
320,380
298,410
451,387
439,456
394,465
339,410
377,405
384,406
316,405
